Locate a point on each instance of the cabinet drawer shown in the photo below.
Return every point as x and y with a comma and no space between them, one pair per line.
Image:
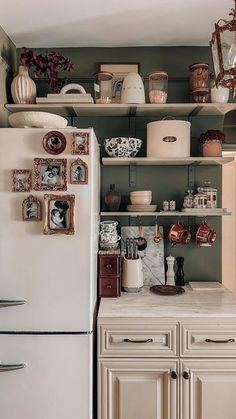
109,286
208,340
109,265
149,340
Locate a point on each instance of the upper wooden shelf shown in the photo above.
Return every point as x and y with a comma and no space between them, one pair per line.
150,161
161,110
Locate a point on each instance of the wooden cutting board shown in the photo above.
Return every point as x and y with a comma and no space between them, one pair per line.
206,286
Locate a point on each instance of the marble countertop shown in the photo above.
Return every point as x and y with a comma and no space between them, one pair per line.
190,304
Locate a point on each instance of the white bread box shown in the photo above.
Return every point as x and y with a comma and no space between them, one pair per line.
168,138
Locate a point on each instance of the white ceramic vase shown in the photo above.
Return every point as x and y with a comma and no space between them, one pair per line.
23,88
219,94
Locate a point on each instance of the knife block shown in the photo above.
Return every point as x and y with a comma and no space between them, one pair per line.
132,275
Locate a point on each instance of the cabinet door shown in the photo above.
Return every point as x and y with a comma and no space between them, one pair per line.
138,389
208,389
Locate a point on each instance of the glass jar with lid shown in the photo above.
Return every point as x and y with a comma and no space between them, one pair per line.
211,194
200,199
188,199
103,87
158,87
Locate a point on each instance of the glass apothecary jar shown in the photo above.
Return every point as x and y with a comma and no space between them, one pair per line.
158,87
188,199
211,195
200,199
103,87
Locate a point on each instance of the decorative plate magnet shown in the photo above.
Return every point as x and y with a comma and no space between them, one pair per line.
54,142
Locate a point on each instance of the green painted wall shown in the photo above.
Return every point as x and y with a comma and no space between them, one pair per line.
166,182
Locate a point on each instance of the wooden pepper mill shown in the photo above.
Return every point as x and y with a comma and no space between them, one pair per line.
180,271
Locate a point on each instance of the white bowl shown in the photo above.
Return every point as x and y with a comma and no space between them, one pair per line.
143,193
34,119
141,200
122,146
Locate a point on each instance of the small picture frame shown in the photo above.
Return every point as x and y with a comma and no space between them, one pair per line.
59,214
80,143
50,175
79,172
21,180
31,209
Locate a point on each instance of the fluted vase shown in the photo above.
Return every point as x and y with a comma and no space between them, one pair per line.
23,88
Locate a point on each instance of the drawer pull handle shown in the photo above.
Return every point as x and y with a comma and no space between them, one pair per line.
11,367
108,266
186,375
173,375
220,341
7,303
138,341
108,286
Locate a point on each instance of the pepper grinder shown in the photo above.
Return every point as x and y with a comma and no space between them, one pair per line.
180,271
170,274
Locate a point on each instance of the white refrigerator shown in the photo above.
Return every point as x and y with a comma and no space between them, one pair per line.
48,289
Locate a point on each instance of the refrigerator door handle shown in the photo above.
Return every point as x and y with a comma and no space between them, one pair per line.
12,367
7,303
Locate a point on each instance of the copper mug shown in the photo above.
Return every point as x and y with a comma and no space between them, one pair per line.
205,235
179,234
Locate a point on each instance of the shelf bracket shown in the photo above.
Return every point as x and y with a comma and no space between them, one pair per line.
191,177
132,221
132,176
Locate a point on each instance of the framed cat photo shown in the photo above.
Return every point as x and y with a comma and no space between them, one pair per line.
79,172
59,214
50,175
21,180
31,209
80,143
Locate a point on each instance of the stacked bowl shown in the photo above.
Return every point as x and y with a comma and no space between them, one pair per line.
141,201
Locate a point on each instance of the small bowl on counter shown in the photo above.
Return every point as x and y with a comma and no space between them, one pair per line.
122,146
141,197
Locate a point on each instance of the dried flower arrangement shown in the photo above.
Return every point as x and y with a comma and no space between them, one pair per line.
47,65
211,135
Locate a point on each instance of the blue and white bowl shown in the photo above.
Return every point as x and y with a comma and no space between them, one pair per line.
122,146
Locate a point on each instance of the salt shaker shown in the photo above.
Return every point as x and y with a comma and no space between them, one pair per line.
170,274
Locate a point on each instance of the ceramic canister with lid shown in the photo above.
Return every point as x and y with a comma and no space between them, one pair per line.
168,138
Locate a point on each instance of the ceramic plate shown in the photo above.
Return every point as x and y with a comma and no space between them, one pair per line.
54,142
141,208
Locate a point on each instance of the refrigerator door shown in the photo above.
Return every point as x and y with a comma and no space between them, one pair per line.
47,282
47,376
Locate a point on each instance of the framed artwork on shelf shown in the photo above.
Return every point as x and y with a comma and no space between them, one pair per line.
50,175
59,214
79,172
80,143
119,70
21,180
31,209
54,142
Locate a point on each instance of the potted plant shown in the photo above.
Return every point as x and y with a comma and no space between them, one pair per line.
47,65
212,143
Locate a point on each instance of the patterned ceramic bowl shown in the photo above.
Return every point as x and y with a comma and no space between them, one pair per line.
122,146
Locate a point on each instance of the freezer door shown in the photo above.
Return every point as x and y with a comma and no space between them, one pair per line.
45,376
52,278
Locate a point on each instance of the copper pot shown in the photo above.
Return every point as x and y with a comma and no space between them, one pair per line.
179,234
205,235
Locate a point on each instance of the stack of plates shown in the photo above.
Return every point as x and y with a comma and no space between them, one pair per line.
141,208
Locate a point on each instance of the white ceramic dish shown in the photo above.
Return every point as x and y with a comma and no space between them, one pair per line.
141,200
122,146
34,119
141,208
134,193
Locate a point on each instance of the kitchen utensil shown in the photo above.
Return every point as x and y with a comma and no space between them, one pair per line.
157,235
180,271
166,290
141,241
122,146
205,235
133,89
179,234
132,275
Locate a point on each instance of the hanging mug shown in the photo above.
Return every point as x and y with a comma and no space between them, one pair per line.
179,234
205,235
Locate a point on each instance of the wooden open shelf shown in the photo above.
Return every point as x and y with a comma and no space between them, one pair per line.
150,161
145,110
197,213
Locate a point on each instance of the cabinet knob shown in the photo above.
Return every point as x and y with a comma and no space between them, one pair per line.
173,375
186,375
108,286
108,266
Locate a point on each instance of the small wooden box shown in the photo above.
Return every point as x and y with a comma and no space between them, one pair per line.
109,273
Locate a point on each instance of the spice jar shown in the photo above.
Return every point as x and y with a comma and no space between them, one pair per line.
103,87
158,87
211,194
200,199
188,199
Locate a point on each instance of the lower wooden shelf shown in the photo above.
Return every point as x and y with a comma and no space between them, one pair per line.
218,212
